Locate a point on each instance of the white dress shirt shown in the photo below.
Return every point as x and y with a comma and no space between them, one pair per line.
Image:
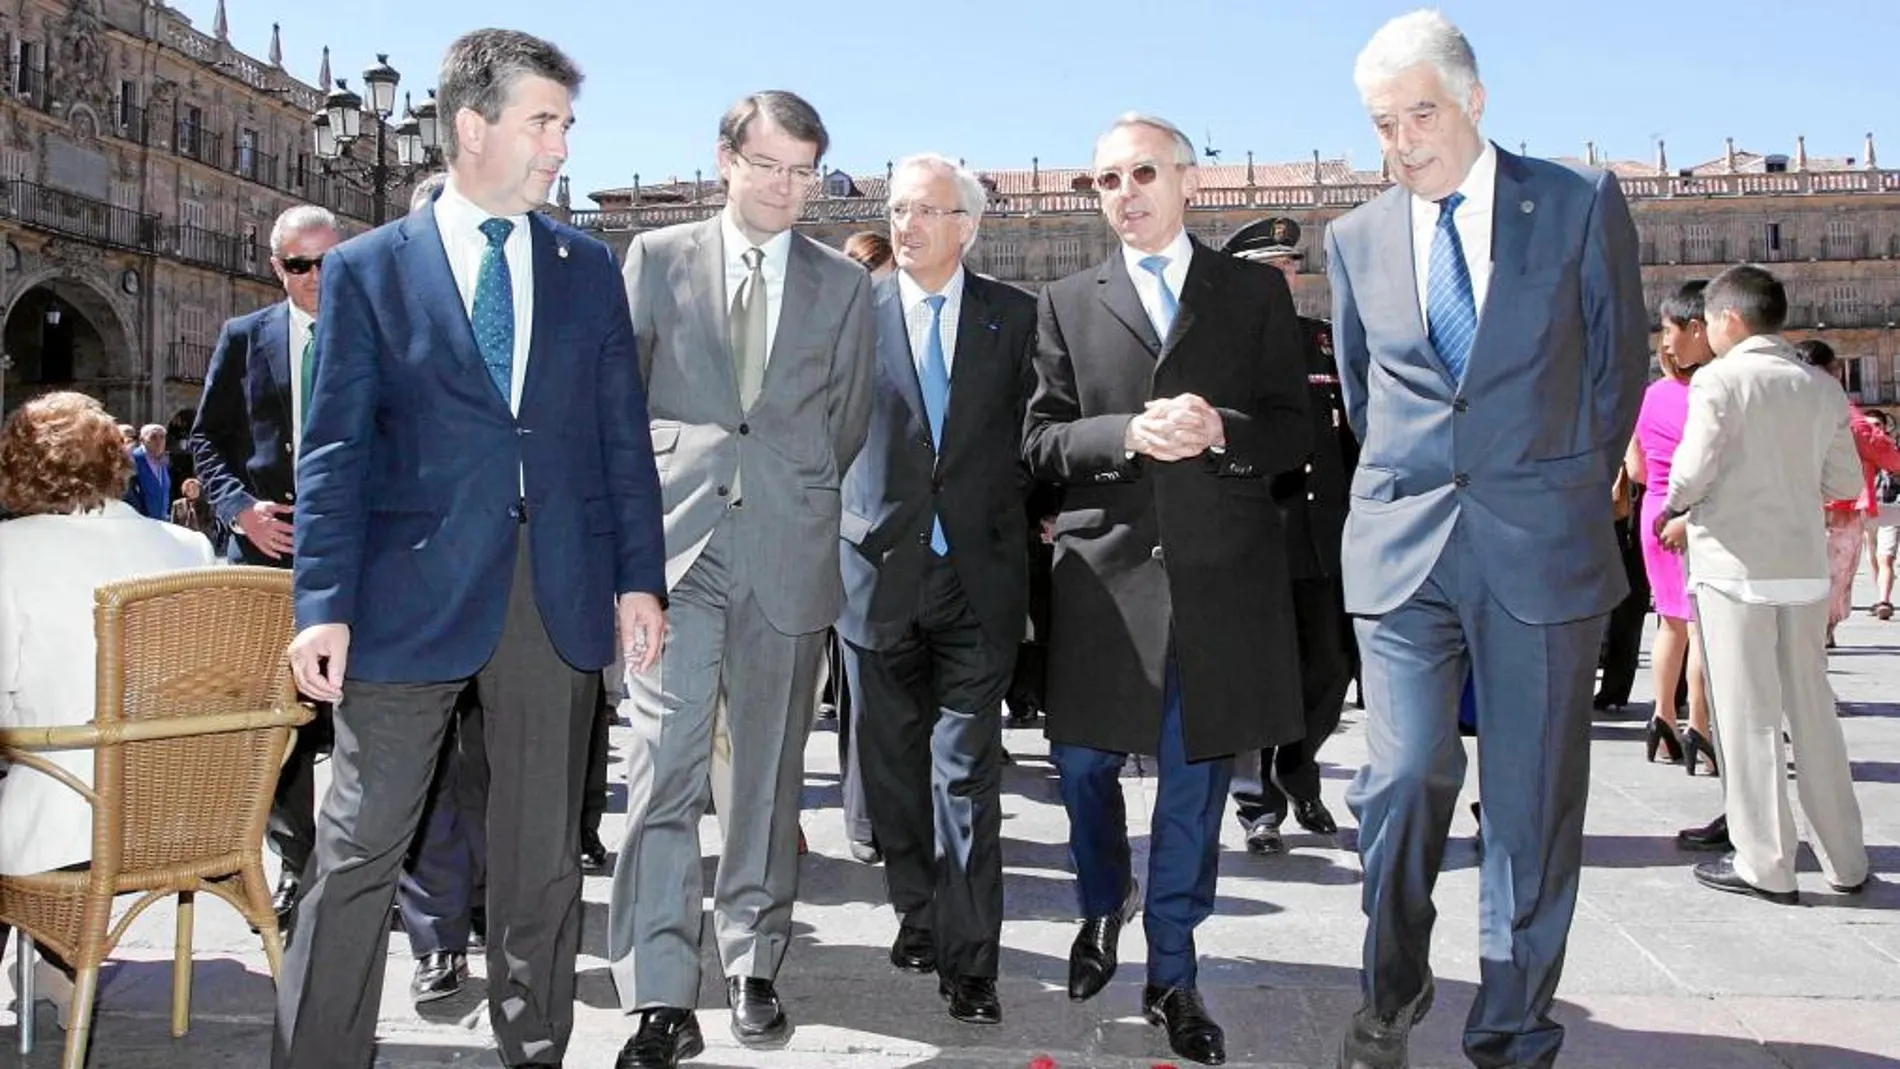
49,566
460,222
917,318
777,249
302,325
1473,221
1178,252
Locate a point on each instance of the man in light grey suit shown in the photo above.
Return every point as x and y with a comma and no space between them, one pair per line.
755,345
1767,441
1489,325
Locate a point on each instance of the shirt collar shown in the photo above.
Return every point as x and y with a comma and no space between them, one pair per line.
455,213
1479,186
776,248
1178,252
300,319
913,294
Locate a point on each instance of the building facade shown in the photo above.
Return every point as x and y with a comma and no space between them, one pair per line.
1829,227
142,163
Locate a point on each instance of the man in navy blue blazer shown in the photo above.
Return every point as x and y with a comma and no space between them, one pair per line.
1492,343
477,501
244,445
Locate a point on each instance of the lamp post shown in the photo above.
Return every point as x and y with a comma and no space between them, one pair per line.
339,127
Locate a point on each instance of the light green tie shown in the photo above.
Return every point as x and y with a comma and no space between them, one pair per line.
308,376
748,330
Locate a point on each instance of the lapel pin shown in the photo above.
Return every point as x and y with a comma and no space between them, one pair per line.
560,247
1526,207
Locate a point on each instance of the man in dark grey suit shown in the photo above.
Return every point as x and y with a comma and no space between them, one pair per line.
1489,324
755,346
936,579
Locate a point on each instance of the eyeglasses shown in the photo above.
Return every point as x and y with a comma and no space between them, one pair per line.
1141,174
929,212
299,265
776,171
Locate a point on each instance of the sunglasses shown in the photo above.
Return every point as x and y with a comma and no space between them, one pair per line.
1141,174
299,265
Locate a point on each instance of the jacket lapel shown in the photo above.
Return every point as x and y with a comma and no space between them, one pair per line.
796,309
273,341
702,283
1118,295
425,267
977,331
551,291
1513,214
1204,272
893,347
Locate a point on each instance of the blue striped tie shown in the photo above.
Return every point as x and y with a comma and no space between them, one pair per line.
1451,313
493,316
936,385
1154,265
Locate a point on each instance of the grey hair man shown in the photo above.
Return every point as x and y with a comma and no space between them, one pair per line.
755,347
1480,542
933,558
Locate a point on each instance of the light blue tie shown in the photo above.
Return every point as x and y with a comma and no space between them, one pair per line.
1154,265
494,314
1451,312
936,383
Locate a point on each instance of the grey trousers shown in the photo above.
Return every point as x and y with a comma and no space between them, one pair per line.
718,643
536,712
1533,685
1766,663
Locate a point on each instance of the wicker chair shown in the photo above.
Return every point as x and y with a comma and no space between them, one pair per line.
195,713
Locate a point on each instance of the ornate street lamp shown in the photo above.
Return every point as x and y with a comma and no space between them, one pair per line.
339,128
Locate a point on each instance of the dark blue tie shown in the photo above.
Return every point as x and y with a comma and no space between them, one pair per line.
1155,265
1451,312
936,384
494,314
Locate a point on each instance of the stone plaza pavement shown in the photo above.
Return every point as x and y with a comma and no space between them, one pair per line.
1660,973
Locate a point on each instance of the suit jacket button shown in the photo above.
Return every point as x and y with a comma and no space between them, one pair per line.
1155,553
923,539
1311,496
289,449
722,491
745,428
1460,405
1461,480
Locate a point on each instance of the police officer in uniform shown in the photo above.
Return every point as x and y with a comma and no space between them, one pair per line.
1312,502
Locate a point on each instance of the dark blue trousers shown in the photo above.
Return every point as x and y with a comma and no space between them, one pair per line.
1183,846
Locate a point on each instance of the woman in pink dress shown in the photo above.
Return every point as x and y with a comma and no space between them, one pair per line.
1658,432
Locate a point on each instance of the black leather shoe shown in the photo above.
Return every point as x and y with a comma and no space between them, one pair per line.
1092,958
1376,1042
1264,838
593,852
1721,876
1192,1034
758,1021
666,1038
1710,836
438,975
972,999
914,950
1315,817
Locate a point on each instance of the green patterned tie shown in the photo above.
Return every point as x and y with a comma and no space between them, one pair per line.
494,314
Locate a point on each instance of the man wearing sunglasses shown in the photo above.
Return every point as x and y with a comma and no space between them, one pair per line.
755,346
1170,389
244,446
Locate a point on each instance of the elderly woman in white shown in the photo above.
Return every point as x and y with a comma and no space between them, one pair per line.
63,467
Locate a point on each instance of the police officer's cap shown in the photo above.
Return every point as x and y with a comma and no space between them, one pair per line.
1274,238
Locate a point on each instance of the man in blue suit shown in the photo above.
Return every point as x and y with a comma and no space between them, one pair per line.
150,491
477,501
244,444
1492,344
